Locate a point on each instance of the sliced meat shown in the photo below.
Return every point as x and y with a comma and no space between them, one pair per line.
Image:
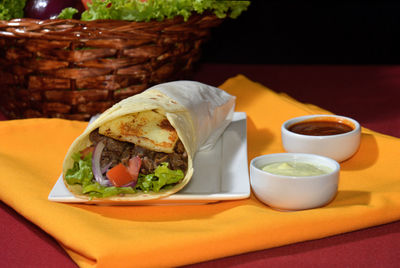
116,152
95,137
177,161
147,165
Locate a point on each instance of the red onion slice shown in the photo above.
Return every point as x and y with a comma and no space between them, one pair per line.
131,184
106,168
97,172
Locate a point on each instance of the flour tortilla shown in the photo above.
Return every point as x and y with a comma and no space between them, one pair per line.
198,112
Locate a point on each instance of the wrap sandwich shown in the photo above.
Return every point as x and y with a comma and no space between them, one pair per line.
143,147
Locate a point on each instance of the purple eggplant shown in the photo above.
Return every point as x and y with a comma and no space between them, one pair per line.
50,9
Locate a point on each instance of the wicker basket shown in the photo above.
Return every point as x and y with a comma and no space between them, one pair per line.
75,69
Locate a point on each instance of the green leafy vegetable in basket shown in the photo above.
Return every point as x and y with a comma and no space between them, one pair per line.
131,10
10,9
135,10
67,13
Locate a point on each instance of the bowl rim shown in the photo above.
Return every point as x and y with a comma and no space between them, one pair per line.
294,120
296,156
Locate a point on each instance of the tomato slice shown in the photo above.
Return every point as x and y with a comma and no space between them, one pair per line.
134,166
121,175
86,151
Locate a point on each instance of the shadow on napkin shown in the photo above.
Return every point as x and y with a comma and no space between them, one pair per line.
259,139
346,198
365,157
158,214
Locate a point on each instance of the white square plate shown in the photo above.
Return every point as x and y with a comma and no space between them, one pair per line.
219,174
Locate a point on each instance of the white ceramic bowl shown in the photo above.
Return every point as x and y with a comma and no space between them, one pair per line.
338,147
294,193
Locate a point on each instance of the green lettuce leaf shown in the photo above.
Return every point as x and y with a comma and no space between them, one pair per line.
81,173
96,190
134,10
67,13
166,176
11,9
163,177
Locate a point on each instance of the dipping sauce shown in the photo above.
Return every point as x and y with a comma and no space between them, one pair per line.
320,128
296,169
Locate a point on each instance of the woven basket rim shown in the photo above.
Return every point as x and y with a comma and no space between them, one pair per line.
20,21
28,27
74,69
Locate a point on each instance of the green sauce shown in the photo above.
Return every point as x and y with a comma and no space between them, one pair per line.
296,169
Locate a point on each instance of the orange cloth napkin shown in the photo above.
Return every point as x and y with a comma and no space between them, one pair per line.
31,155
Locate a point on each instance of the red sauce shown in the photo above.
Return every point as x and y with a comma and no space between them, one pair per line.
320,128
